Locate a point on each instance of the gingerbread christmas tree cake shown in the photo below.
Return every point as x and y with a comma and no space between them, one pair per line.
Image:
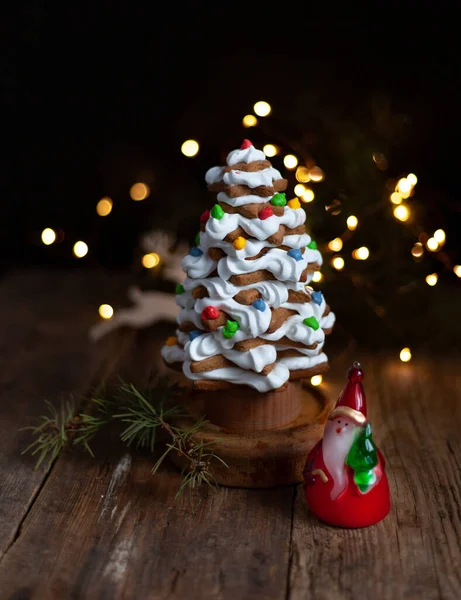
248,314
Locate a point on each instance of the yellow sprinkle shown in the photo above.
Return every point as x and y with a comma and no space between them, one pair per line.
171,341
240,243
295,203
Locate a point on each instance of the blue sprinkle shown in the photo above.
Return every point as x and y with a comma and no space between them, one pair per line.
194,334
260,304
295,253
317,297
195,251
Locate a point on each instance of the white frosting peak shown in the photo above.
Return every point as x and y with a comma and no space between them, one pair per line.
246,155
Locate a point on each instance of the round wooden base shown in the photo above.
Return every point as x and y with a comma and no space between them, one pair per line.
259,459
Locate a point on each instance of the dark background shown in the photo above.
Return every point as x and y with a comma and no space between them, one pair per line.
97,99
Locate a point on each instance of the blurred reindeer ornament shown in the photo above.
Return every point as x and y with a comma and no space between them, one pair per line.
150,306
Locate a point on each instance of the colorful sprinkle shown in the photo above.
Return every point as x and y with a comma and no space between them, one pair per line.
197,239
245,144
240,243
217,212
195,251
295,253
204,216
230,329
312,245
295,203
265,213
194,334
279,200
259,304
210,312
317,297
312,323
171,341
180,288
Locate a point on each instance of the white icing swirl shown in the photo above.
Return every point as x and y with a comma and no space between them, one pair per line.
252,179
246,155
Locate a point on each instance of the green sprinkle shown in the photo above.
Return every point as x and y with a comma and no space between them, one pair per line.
230,329
217,212
279,200
312,245
180,288
312,323
197,239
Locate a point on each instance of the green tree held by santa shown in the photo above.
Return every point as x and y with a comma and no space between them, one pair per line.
362,458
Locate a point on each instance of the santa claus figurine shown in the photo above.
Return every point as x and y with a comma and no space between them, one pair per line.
344,476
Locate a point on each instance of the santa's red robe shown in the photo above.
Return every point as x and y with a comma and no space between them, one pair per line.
352,508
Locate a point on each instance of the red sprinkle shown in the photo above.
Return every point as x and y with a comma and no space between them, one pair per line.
210,312
204,216
265,213
245,144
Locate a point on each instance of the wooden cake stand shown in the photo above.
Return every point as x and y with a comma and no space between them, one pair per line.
263,438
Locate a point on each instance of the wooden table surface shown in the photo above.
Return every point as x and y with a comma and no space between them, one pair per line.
107,528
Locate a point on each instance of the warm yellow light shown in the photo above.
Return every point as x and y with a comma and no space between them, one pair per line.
316,174
352,222
308,195
417,250
396,198
290,161
80,249
316,380
104,207
190,148
249,121
270,150
317,276
262,109
432,279
402,212
432,244
412,179
440,237
405,355
106,311
457,270
300,189
338,263
48,236
361,253
302,174
336,245
404,186
150,260
139,191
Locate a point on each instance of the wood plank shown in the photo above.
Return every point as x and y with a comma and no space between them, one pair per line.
108,528
415,552
44,353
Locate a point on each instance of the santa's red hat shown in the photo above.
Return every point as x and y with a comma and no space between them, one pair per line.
352,403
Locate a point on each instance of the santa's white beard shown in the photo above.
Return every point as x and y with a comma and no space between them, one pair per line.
336,447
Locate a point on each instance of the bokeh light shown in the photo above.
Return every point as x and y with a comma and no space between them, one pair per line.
336,245
432,279
396,198
316,380
417,250
80,249
48,236
308,195
106,311
299,189
262,109
290,161
104,206
405,355
402,212
404,187
440,236
249,121
151,260
316,174
352,222
270,150
190,148
317,276
361,253
432,244
457,270
412,179
139,191
338,262
302,174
